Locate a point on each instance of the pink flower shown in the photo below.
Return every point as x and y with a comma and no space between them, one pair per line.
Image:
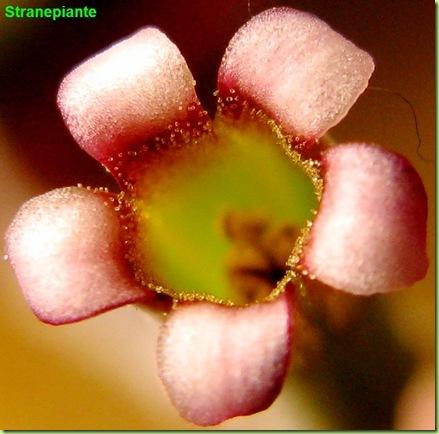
133,107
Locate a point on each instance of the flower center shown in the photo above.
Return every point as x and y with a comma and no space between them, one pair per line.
217,218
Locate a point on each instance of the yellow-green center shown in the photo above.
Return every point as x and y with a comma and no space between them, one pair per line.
214,218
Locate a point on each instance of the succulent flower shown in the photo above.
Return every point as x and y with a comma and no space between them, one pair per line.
225,220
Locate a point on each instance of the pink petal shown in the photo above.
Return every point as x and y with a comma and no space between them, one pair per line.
126,94
370,232
65,249
218,362
296,68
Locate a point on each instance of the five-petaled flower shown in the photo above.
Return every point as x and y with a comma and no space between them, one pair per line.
78,252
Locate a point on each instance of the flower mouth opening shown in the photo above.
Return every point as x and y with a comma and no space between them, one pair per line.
223,216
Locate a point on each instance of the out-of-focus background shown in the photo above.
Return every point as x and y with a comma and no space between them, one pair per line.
101,373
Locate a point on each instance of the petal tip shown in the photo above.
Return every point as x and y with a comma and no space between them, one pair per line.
369,235
65,249
297,68
219,362
126,94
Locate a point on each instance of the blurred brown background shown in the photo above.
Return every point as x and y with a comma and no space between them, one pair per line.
101,374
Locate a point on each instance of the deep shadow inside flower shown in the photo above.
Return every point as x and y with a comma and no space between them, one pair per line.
218,218
257,259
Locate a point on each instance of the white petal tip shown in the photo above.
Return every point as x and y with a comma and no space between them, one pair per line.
126,94
65,249
219,362
369,235
296,68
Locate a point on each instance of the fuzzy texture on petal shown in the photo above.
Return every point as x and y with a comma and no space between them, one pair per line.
369,235
65,249
296,68
126,94
218,362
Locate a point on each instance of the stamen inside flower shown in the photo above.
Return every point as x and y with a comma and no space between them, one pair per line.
218,218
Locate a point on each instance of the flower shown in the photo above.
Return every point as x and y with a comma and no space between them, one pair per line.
78,252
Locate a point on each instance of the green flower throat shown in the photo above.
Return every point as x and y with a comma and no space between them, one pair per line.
218,217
